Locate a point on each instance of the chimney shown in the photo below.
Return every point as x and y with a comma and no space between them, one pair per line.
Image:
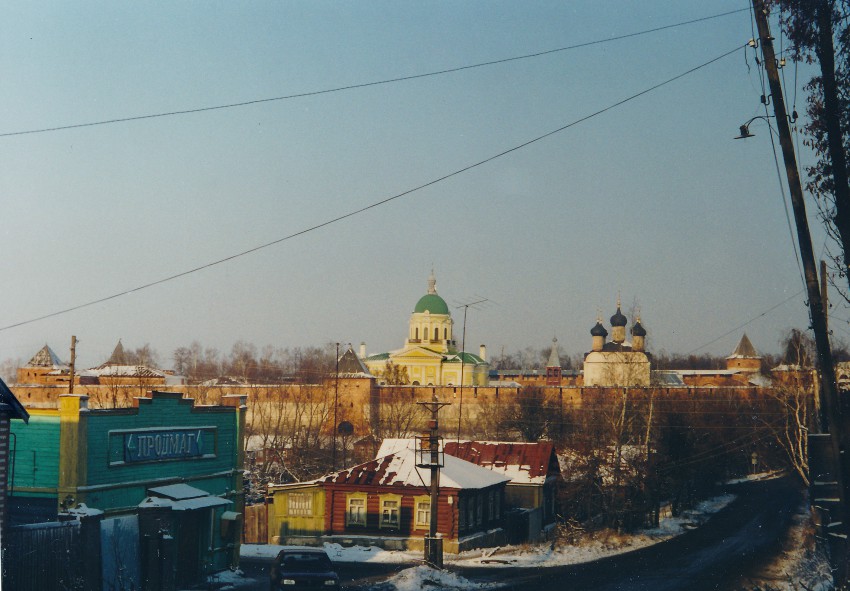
362,350
482,352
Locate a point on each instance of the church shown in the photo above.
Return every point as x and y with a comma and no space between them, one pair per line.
430,356
617,362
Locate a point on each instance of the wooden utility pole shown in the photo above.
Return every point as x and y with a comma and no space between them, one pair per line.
824,294
432,457
73,361
830,419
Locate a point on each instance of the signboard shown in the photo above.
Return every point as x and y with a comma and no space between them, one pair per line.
156,445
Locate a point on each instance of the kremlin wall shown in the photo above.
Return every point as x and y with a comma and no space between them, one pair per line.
432,366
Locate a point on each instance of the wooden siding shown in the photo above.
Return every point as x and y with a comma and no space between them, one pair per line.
256,528
37,453
209,474
282,524
447,523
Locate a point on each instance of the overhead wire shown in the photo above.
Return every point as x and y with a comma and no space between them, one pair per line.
385,201
751,320
765,99
366,84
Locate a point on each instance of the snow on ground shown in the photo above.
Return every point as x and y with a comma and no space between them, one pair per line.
425,577
229,581
593,546
267,552
800,565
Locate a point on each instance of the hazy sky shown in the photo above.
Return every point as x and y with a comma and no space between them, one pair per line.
652,199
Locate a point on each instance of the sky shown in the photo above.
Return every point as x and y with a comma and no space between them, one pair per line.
652,200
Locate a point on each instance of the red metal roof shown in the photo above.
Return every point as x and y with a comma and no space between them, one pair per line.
537,459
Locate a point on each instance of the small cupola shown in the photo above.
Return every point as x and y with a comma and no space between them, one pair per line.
618,325
638,335
598,333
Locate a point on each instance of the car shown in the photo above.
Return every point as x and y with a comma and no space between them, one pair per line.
297,568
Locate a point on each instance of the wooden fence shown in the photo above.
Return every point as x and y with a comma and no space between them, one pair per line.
256,530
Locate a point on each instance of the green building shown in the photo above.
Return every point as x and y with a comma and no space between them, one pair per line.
174,465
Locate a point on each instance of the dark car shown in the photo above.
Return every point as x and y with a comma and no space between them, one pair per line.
302,568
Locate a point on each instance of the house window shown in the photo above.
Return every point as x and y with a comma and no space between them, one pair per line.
491,505
498,505
356,511
417,333
470,514
480,504
390,508
425,333
445,333
300,504
423,512
461,514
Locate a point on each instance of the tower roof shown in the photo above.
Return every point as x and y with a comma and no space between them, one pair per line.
350,363
45,357
118,356
598,330
554,358
618,319
638,330
431,302
744,350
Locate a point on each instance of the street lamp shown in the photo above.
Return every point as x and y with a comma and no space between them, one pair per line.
745,128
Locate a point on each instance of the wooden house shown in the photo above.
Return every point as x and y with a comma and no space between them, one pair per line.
533,470
385,502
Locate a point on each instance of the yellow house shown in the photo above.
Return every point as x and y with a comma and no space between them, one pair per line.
430,356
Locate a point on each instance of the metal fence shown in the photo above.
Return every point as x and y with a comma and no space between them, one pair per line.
47,556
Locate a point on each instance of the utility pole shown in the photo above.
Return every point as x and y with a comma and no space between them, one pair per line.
73,361
462,350
830,418
432,457
336,400
824,294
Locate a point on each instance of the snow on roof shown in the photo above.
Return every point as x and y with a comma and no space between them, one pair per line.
182,497
46,357
134,371
744,350
760,380
178,492
523,463
707,372
83,510
399,468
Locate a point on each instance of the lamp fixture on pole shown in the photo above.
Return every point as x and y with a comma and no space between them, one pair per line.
745,128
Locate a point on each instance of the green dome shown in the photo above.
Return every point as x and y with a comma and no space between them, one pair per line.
432,303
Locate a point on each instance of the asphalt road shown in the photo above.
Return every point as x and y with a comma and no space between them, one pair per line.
712,556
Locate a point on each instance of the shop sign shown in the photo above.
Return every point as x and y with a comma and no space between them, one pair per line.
168,444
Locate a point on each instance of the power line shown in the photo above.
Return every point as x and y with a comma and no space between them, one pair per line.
367,84
381,202
742,325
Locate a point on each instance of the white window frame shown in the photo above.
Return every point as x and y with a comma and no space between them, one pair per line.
299,504
422,519
385,518
359,518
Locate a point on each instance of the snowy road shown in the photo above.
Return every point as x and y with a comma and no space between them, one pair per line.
710,557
